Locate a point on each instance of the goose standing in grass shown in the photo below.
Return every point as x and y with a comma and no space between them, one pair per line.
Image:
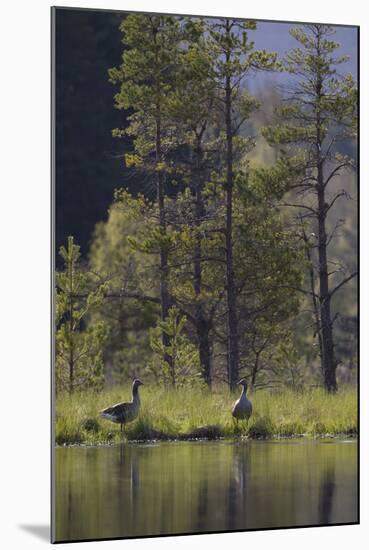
122,413
242,409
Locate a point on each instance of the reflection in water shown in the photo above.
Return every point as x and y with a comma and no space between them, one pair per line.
327,490
128,490
202,506
237,486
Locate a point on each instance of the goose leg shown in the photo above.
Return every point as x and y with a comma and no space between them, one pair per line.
235,423
246,425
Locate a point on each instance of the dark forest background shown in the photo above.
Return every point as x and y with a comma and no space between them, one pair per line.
89,163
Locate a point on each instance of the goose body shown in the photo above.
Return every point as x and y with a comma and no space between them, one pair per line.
242,409
122,413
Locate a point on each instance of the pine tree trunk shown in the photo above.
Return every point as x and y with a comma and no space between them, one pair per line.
316,315
255,370
328,357
202,329
164,295
314,299
232,336
71,314
71,370
202,324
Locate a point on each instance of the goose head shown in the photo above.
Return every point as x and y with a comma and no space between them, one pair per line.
137,383
243,383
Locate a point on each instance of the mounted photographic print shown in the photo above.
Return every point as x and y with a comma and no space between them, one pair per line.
205,311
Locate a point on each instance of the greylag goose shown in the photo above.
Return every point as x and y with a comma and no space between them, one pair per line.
242,408
121,413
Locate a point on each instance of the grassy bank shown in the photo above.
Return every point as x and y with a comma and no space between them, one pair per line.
196,414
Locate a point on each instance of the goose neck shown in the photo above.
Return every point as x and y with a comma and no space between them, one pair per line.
135,394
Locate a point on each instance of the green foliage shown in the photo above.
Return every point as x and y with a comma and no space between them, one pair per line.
184,367
131,309
235,54
233,58
146,81
321,98
79,348
269,265
278,362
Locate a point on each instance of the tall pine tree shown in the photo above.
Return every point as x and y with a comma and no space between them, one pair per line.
319,113
234,57
147,79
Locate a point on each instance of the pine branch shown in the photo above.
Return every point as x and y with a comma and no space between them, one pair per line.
335,172
343,282
304,206
338,196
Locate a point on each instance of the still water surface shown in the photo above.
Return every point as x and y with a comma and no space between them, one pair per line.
168,488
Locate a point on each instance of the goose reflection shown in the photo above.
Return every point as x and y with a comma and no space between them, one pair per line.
237,494
202,511
129,470
327,493
135,479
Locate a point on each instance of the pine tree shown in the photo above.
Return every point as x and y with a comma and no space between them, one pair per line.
79,348
147,79
191,109
233,58
319,113
268,264
184,368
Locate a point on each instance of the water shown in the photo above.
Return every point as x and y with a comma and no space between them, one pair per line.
172,488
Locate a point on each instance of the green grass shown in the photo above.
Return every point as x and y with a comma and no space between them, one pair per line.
180,414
